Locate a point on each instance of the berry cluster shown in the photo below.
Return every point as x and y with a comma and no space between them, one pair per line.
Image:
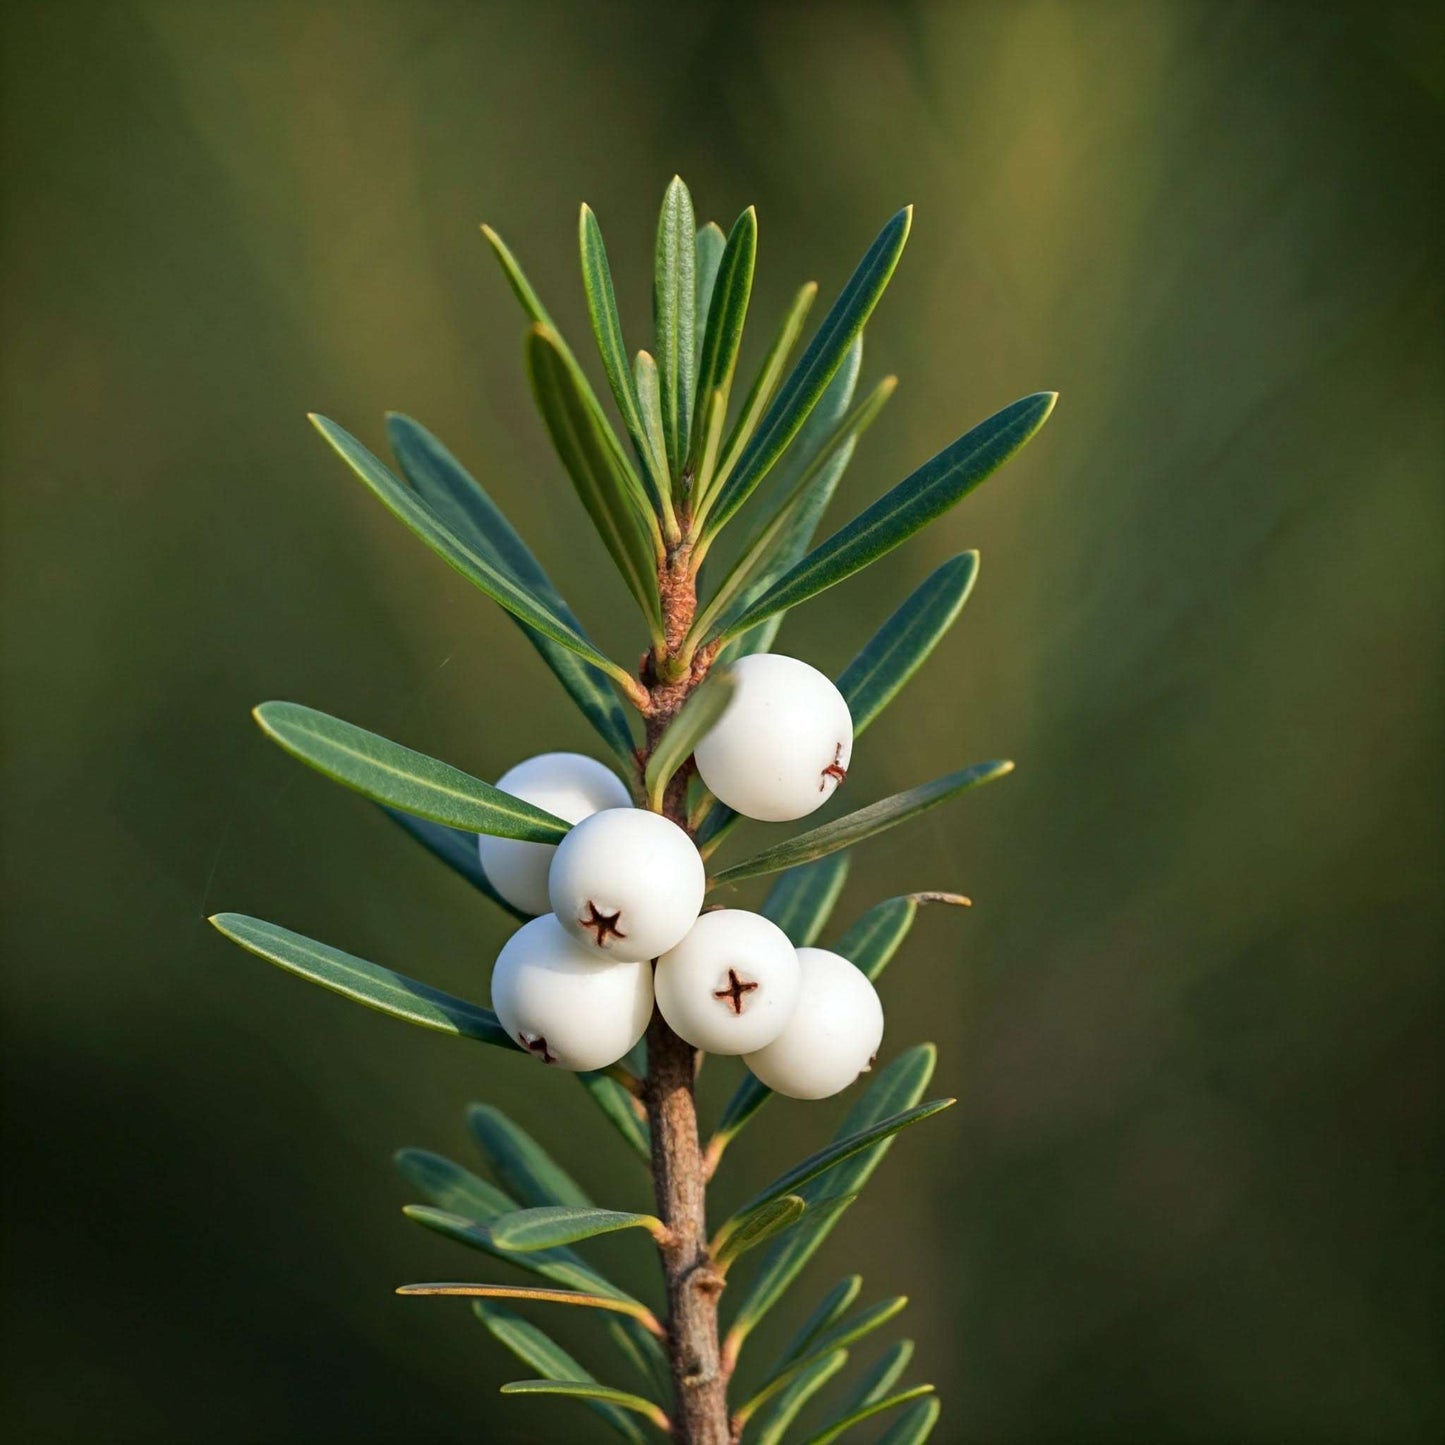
619,901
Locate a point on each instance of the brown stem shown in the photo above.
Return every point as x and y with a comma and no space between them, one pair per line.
699,1414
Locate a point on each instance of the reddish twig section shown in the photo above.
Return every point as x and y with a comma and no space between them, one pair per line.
699,1414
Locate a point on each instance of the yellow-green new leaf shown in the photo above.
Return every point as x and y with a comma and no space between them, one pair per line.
591,1390
399,777
729,294
704,706
631,1307
380,988
759,1227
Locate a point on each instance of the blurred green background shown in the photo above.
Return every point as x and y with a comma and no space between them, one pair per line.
1192,1191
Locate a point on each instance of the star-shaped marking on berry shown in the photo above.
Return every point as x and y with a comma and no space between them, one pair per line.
733,994
602,924
834,770
536,1044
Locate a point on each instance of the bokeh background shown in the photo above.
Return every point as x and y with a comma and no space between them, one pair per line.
1192,1190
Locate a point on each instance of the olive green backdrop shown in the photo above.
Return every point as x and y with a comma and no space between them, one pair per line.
1192,1188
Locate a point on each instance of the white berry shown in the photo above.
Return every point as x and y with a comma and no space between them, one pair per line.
567,785
782,745
834,1033
731,985
627,883
564,1004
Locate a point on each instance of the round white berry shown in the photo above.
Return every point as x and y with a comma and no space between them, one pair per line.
564,1004
567,785
627,883
731,985
833,1035
782,745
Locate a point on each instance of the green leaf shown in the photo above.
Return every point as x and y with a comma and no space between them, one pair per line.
649,401
769,372
802,900
704,706
674,303
902,645
760,1227
590,1390
825,1159
914,1426
873,940
607,327
809,379
898,1086
726,317
612,1303
527,1172
792,520
915,502
710,246
880,1377
454,1190
399,777
461,502
853,828
549,1226
642,1352
829,1311
841,1335
458,850
796,1393
404,504
368,983
548,1358
878,1407
590,454
618,1105
561,1266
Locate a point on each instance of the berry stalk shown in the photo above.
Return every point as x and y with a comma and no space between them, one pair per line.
699,1414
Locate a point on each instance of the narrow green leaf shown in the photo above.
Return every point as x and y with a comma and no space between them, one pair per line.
914,1426
516,278
902,645
561,1266
796,1393
549,1359
525,1169
765,383
703,708
368,983
852,828
405,504
793,519
618,1105
899,1085
759,1227
809,379
642,1352
881,1377
915,502
592,460
454,1190
649,401
872,941
549,1226
841,1335
726,317
458,850
542,1296
825,1159
829,1311
590,1390
674,303
878,1407
802,900
399,777
462,503
710,246
607,327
